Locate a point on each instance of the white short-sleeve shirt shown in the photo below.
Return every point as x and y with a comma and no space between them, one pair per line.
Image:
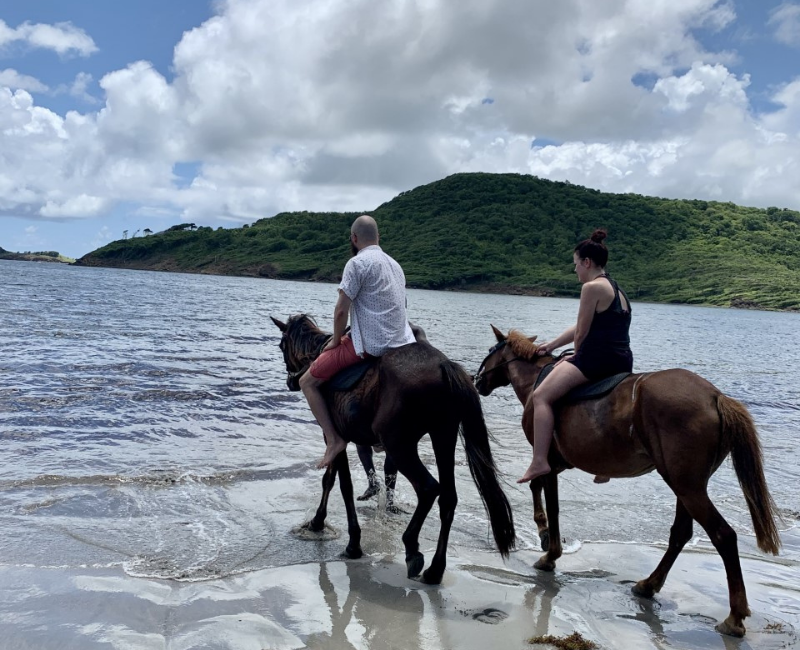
377,286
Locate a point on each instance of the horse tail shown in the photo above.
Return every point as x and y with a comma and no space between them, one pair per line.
479,457
739,432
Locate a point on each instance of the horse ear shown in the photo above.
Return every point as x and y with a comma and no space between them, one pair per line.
281,326
532,338
500,336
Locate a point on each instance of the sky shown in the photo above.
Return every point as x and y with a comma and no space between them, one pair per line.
125,116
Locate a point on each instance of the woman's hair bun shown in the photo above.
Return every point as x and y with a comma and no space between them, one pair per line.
599,235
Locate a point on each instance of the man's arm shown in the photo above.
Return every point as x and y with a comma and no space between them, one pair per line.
341,315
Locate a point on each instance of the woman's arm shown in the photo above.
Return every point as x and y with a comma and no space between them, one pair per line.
590,296
565,338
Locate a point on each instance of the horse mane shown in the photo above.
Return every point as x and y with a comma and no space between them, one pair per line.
306,337
521,345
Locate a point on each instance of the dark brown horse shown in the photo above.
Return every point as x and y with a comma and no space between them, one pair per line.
672,421
410,391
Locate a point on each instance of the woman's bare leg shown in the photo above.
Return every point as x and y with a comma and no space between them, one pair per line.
558,383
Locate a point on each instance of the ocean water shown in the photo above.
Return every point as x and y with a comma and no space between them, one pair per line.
145,422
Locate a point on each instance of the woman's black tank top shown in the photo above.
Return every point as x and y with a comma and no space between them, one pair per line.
609,328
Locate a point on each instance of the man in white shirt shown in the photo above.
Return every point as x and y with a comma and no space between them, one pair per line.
372,294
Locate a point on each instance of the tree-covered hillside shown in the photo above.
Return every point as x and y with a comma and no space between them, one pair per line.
508,232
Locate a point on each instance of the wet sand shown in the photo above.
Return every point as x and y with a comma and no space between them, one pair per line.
369,603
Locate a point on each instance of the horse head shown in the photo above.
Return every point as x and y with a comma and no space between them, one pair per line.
301,343
493,372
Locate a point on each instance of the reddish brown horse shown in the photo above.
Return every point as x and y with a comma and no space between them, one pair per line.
410,391
672,421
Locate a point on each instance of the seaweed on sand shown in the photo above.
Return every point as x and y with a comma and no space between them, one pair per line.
572,642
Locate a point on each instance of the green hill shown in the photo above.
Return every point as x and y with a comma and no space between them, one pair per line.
41,256
510,233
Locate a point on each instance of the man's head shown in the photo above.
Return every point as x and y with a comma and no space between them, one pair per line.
363,233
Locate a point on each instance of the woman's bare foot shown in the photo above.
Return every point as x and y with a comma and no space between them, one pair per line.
535,470
334,448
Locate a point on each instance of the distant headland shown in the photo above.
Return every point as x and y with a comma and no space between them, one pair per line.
40,256
509,233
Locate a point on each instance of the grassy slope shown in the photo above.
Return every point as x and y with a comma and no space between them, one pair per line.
512,233
35,257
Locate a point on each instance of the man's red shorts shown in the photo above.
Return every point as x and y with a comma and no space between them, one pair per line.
330,362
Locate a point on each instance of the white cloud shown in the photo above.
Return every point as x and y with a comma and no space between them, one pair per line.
332,105
786,21
103,236
80,88
12,79
62,38
75,206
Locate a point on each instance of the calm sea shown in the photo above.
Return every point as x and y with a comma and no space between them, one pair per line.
145,422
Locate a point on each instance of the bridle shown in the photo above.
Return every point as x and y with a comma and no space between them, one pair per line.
293,378
481,375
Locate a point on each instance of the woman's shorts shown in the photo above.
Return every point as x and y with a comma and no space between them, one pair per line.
599,365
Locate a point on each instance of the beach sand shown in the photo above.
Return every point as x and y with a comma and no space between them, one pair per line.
483,604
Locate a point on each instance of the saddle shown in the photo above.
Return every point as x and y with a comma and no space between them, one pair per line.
348,378
592,390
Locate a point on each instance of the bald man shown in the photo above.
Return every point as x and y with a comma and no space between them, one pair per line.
372,295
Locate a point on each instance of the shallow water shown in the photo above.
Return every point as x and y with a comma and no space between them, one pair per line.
146,425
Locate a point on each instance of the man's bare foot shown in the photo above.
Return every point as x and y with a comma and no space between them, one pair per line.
334,448
601,479
534,471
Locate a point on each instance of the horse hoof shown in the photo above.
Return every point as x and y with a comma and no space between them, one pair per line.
730,628
643,590
414,564
429,577
543,564
544,539
353,552
314,526
395,510
370,492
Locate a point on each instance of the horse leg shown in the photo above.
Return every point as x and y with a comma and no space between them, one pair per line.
548,561
390,479
723,537
539,516
353,549
444,448
317,523
404,454
679,534
373,487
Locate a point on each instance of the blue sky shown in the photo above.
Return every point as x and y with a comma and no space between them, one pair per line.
123,32
133,115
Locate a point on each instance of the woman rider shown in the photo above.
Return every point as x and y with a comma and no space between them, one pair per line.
600,338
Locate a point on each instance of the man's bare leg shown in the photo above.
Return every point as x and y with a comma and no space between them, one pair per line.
335,444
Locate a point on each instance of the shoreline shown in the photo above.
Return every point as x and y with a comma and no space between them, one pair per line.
370,604
476,288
